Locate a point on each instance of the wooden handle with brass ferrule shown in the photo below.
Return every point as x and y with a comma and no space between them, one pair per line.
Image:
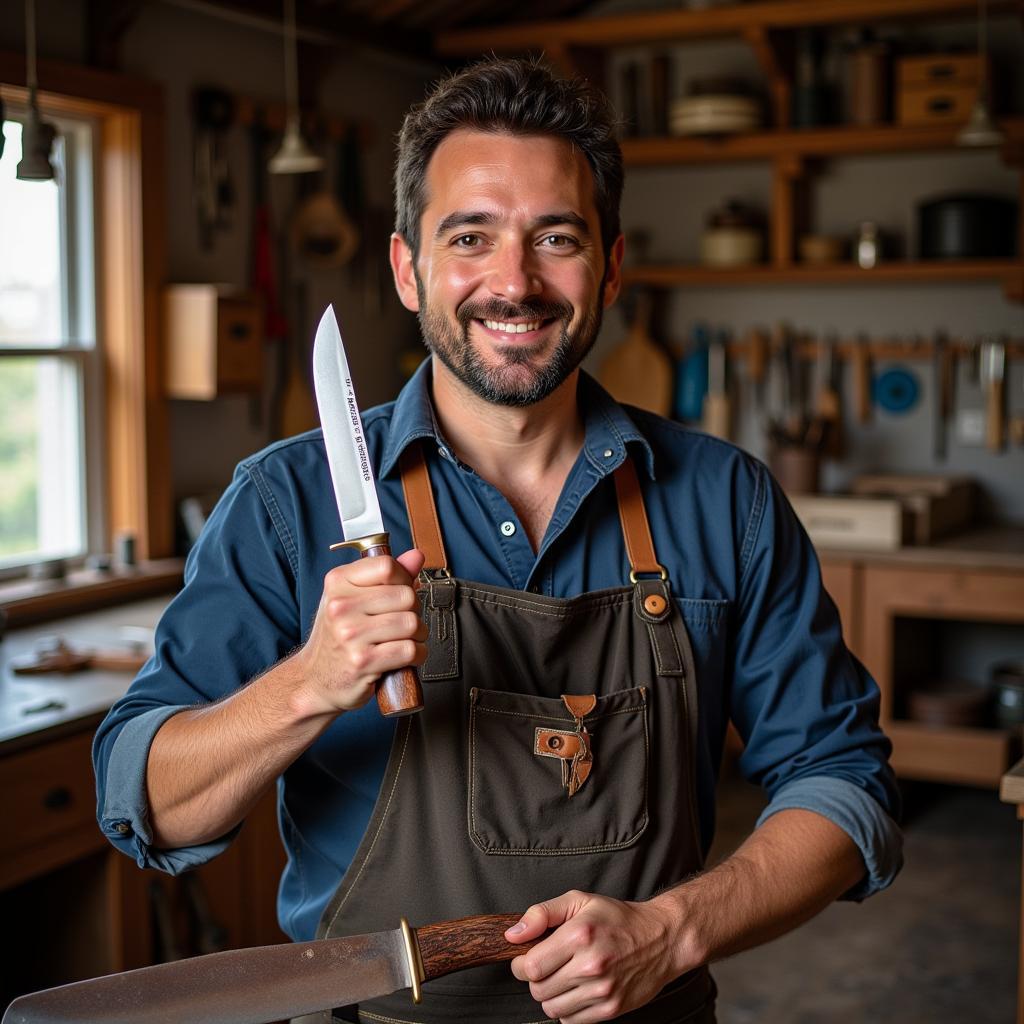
399,692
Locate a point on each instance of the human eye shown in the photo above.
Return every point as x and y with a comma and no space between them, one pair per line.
559,242
467,241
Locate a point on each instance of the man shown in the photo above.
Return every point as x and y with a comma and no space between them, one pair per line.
604,591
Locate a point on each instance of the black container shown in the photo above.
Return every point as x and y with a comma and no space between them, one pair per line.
967,227
1008,681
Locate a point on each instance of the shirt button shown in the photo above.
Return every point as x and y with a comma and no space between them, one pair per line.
122,828
508,528
608,453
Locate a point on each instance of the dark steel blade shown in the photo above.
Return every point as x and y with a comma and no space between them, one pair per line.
240,986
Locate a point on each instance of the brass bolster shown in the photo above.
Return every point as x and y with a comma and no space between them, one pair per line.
412,953
361,544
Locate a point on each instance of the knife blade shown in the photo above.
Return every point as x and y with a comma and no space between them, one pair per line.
398,692
271,983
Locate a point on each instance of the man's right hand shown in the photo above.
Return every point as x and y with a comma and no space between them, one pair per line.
368,623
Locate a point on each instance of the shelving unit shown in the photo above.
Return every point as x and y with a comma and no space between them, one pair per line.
580,46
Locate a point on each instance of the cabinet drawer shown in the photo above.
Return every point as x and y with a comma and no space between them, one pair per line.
48,792
939,104
239,346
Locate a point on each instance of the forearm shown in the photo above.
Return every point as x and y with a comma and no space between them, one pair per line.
787,871
208,766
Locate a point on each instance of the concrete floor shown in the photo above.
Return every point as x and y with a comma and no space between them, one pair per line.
939,945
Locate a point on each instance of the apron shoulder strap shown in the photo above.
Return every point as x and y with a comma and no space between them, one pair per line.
419,503
635,528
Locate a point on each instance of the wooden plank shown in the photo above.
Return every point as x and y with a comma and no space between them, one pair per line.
667,25
973,757
671,276
811,142
1011,788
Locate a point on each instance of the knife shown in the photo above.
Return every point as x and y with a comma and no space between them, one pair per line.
272,983
398,693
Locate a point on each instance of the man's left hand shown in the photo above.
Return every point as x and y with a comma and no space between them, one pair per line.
605,957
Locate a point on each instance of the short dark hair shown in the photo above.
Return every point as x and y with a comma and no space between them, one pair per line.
519,97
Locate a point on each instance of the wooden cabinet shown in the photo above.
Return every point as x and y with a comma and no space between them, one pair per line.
899,611
79,908
214,341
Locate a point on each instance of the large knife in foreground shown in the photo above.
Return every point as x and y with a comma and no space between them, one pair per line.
398,693
272,983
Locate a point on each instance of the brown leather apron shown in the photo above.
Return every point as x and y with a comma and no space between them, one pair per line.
555,752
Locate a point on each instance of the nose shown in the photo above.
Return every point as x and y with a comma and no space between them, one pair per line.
513,272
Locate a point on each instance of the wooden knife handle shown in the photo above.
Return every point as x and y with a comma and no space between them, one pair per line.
468,942
399,692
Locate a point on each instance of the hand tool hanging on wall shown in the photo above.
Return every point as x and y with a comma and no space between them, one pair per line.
717,415
944,375
993,373
213,112
861,362
828,405
639,371
757,365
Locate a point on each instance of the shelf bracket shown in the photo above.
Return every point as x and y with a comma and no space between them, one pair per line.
774,52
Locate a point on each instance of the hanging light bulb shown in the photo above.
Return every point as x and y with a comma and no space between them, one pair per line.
294,156
37,138
980,129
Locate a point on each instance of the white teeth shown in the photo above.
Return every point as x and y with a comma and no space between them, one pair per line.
497,325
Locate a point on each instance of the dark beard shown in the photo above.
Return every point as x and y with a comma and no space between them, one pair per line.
507,384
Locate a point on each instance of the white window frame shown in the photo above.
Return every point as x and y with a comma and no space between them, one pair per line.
79,350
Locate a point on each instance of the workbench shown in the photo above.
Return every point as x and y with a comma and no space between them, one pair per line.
56,867
895,609
1012,792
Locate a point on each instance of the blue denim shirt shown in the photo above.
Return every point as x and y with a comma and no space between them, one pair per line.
765,635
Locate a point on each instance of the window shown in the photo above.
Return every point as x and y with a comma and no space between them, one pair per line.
51,414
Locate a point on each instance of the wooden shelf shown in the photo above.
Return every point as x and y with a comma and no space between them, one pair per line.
674,25
846,140
682,275
978,757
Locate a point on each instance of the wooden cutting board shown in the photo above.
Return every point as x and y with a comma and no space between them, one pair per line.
638,371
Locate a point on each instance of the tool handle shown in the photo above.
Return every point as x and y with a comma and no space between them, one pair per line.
399,692
994,415
468,942
717,415
862,380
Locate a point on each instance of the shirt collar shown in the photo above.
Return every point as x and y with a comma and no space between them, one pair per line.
607,425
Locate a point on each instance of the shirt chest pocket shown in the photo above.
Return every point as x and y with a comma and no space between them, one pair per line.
538,786
707,624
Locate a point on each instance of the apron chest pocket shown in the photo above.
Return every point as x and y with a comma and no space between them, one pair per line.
519,796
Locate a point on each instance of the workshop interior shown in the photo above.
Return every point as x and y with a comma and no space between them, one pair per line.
824,265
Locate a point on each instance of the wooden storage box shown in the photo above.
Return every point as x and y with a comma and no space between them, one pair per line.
938,89
214,341
936,506
852,523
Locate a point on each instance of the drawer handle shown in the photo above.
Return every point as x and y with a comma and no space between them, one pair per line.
942,71
240,331
940,104
57,799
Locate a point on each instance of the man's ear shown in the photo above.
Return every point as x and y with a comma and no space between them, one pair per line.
404,272
613,277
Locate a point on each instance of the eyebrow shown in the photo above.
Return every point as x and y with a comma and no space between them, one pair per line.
469,217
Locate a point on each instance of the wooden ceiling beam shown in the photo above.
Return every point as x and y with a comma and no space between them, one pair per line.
667,25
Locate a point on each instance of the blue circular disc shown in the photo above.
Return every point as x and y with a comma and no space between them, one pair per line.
896,390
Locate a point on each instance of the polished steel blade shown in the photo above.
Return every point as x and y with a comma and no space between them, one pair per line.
240,986
347,453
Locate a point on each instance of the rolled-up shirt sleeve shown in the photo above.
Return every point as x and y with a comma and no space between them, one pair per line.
234,617
806,708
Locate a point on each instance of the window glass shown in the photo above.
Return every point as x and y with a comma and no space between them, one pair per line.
45,271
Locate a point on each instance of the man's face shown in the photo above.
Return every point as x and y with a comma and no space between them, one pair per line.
510,281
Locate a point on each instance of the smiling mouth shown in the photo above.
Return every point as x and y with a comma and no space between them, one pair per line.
505,327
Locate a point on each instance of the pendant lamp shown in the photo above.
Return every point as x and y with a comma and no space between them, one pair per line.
980,129
37,137
294,156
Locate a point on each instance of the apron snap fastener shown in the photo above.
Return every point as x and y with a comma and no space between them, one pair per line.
554,742
654,604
